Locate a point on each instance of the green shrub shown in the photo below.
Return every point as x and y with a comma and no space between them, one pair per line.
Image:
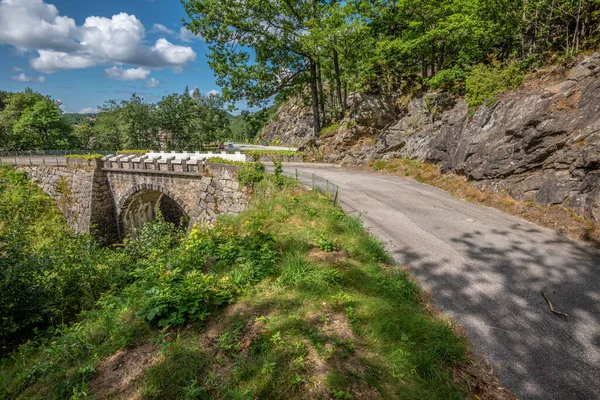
326,244
219,160
177,296
274,154
251,173
486,81
329,130
134,152
47,273
278,174
84,156
450,80
379,165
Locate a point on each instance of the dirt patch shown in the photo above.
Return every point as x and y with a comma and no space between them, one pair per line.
318,370
250,333
338,326
479,376
117,373
331,257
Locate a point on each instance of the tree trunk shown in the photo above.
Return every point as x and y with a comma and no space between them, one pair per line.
315,98
338,81
321,92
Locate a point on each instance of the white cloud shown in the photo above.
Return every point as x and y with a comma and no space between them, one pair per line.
24,78
17,69
153,83
130,74
162,28
214,93
88,110
33,24
187,35
61,44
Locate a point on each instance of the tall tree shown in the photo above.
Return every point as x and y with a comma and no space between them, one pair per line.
41,126
257,48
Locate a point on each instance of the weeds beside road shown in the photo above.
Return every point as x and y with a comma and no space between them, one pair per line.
558,218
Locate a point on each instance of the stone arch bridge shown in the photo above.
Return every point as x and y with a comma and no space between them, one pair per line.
115,196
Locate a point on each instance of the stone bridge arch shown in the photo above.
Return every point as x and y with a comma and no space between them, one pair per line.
138,206
200,196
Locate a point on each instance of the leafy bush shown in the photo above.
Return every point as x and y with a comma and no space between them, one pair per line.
329,130
379,165
274,154
178,296
219,160
486,81
251,173
278,174
47,274
133,152
326,244
84,156
451,80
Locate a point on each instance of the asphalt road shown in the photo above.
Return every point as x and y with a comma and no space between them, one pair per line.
487,270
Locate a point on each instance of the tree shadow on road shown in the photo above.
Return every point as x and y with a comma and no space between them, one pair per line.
495,293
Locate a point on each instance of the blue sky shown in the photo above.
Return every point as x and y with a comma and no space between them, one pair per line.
57,47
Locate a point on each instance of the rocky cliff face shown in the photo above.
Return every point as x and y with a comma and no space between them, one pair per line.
292,126
540,142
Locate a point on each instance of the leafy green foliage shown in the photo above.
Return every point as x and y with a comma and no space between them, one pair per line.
219,160
278,177
134,152
274,154
47,274
484,82
326,244
84,156
29,120
379,165
449,80
248,175
329,130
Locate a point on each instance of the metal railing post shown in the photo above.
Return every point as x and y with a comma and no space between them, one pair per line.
313,181
296,174
336,198
327,186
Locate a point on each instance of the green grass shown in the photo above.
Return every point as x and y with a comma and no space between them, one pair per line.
297,300
133,152
84,156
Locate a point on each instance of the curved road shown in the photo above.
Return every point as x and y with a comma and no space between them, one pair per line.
487,269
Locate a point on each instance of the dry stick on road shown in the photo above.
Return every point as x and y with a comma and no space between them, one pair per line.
552,307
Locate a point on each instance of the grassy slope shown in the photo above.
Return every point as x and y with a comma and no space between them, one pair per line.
333,319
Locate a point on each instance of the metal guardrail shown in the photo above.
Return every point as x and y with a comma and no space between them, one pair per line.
51,153
34,160
313,181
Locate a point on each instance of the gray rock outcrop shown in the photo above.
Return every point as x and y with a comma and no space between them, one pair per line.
540,142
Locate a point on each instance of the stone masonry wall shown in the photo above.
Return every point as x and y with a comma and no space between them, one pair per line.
92,198
80,191
203,195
